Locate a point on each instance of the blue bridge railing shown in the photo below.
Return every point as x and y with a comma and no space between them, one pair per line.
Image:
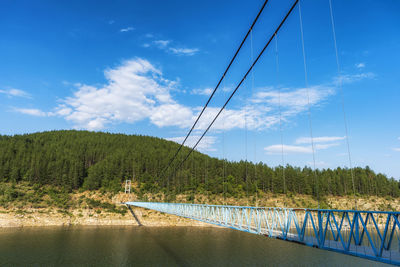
368,234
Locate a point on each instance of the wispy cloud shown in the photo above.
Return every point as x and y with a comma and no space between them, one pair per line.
127,29
295,149
206,144
303,145
294,101
15,93
167,45
111,22
204,91
351,78
291,101
136,90
31,111
294,98
250,117
360,65
322,139
184,51
277,149
161,43
325,146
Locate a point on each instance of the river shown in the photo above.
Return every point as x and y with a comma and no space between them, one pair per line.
157,246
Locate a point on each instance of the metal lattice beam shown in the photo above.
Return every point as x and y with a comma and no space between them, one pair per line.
368,234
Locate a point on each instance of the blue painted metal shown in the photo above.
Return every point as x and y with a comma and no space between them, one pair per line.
368,234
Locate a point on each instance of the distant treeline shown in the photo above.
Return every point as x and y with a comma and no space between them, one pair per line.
95,160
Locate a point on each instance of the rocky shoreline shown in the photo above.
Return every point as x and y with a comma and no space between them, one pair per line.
143,217
83,213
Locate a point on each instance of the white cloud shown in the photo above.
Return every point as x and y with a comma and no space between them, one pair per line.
172,114
206,143
162,43
350,78
322,139
293,149
204,91
325,146
294,99
184,51
166,46
33,112
320,143
249,117
287,149
227,89
135,90
396,149
360,65
127,29
15,92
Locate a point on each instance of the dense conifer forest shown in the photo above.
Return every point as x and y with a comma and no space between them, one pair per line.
96,160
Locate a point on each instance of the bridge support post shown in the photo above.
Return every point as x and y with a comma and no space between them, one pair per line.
320,232
357,229
134,215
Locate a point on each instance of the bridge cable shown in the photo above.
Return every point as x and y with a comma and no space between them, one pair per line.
192,177
240,83
216,87
195,177
255,136
223,152
245,140
280,116
308,103
342,102
205,177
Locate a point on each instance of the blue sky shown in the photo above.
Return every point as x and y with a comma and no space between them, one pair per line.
147,67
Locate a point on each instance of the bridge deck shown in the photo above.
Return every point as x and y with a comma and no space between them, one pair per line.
368,234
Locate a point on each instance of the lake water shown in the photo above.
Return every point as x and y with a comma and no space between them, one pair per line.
157,246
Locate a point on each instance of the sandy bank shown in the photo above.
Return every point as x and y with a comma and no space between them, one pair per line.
39,217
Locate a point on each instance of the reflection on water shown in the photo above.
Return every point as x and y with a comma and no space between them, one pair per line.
161,246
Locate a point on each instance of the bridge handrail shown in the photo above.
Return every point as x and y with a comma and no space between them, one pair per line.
276,208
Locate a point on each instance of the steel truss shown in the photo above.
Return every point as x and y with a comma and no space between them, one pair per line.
368,234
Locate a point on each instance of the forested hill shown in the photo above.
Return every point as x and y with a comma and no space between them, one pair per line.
93,160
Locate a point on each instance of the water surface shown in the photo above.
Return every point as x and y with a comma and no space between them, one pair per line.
157,246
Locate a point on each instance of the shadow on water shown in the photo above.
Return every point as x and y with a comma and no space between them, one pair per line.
164,246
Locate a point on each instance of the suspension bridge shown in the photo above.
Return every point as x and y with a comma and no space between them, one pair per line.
371,235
